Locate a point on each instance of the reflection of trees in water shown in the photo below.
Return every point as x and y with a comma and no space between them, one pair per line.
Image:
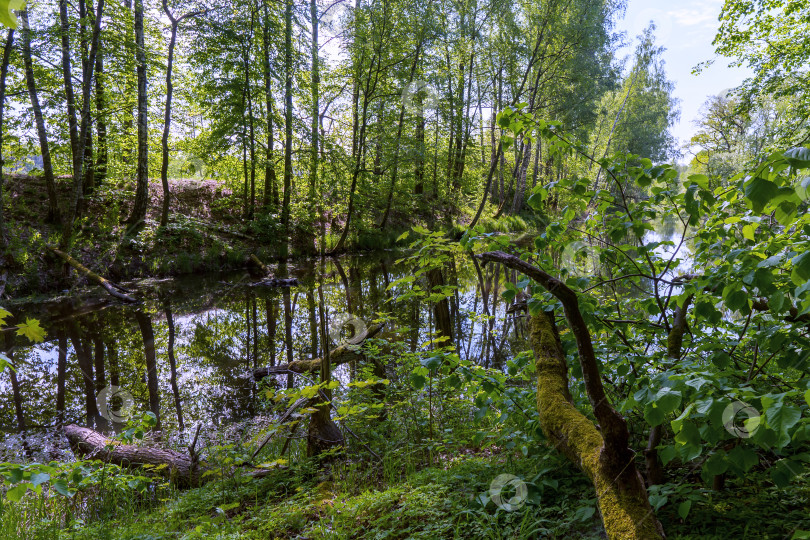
186,356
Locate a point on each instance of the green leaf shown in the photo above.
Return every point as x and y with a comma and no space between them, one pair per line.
653,415
743,459
7,9
801,265
780,418
32,330
689,443
418,381
760,192
16,493
668,400
807,397
700,179
677,424
783,472
798,157
684,507
39,478
536,201
716,464
4,315
748,232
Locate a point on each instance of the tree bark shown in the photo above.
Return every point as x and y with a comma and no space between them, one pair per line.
341,355
270,181
138,213
54,214
102,154
604,455
3,73
167,120
173,371
148,335
288,127
182,469
113,288
67,76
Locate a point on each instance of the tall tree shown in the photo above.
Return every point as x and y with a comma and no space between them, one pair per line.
141,203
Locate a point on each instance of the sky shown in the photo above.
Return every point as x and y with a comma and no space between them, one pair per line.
686,28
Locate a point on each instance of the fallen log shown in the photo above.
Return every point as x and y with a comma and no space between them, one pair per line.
111,287
341,355
276,282
184,471
255,260
178,468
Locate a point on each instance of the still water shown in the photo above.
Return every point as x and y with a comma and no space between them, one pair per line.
188,351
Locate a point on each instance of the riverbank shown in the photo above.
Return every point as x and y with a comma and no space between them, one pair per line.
206,233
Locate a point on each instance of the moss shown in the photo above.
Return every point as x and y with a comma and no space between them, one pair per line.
625,511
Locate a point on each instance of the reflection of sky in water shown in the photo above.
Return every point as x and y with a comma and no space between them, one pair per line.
216,353
670,229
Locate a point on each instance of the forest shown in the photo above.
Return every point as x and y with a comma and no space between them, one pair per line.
337,269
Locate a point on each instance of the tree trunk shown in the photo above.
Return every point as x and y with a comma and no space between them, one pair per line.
181,470
84,132
626,512
173,371
102,155
3,73
288,127
167,120
270,181
67,76
603,454
148,335
316,113
655,471
341,355
138,213
54,214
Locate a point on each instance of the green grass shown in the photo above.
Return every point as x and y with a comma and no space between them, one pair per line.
350,499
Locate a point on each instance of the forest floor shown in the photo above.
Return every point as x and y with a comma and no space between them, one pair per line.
350,500
206,233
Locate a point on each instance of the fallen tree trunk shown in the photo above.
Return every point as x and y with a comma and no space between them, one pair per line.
255,260
276,282
341,355
180,468
111,287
